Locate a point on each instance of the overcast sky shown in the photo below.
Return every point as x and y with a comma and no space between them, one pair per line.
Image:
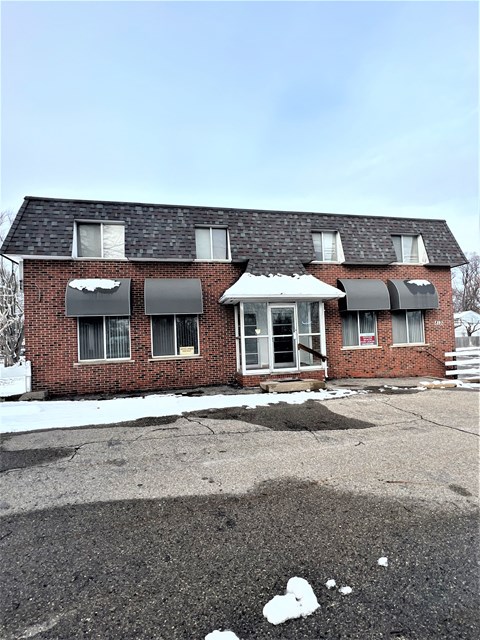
341,107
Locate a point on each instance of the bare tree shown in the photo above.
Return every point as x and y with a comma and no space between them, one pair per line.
466,285
471,326
11,302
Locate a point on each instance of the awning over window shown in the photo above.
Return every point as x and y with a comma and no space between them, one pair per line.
173,295
364,295
412,294
97,297
278,288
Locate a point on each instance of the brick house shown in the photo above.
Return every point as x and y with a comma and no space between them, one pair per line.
127,296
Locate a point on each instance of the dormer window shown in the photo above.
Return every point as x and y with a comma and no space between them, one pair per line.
410,249
327,246
100,240
212,243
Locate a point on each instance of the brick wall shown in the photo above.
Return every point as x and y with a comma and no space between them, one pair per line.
388,361
51,338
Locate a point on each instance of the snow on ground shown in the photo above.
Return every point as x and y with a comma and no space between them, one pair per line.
298,601
221,635
383,561
465,384
34,415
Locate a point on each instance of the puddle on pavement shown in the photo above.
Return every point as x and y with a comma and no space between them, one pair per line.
309,416
23,458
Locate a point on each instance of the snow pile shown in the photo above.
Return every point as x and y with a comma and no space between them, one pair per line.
465,384
383,561
345,591
93,284
330,584
20,416
419,283
251,287
221,635
298,601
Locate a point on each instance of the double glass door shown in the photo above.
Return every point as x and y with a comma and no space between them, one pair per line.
284,349
270,336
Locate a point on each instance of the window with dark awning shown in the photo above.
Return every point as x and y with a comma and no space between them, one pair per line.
173,295
363,295
97,297
412,294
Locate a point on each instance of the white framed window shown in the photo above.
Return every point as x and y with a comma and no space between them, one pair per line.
99,240
359,329
174,335
212,243
408,327
327,246
409,249
309,334
103,338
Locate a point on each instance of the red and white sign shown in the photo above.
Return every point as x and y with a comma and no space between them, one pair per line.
367,339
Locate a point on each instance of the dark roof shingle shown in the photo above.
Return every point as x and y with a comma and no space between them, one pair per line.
270,241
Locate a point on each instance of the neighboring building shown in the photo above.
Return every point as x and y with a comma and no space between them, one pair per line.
467,328
125,296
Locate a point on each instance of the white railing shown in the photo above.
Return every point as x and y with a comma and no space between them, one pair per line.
16,379
466,365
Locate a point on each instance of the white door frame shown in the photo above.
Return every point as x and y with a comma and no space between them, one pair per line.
271,307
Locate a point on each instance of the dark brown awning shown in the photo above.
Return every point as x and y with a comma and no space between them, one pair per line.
412,294
173,295
97,297
363,295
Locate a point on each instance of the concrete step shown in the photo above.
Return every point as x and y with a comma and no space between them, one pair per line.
286,386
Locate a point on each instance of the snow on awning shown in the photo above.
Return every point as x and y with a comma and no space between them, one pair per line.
412,294
278,288
173,295
364,295
97,297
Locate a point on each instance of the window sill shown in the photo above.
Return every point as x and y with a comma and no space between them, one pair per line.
81,363
163,358
409,344
411,264
326,262
360,347
100,258
212,260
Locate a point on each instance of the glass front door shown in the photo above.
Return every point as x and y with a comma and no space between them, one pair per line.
284,352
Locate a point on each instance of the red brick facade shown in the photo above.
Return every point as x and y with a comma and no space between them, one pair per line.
51,338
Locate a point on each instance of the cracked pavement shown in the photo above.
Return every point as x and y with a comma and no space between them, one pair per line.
418,446
168,530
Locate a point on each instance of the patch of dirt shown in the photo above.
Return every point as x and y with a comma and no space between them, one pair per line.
309,416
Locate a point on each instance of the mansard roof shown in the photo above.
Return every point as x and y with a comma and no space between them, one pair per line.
268,241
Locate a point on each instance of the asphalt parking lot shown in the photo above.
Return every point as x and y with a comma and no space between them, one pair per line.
173,528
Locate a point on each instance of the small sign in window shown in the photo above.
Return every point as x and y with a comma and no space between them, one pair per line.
187,351
367,340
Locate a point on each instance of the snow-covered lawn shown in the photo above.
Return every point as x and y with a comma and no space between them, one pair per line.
14,380
34,415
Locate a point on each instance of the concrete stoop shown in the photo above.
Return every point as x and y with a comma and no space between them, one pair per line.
286,386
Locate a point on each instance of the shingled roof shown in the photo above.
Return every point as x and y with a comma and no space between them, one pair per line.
268,241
